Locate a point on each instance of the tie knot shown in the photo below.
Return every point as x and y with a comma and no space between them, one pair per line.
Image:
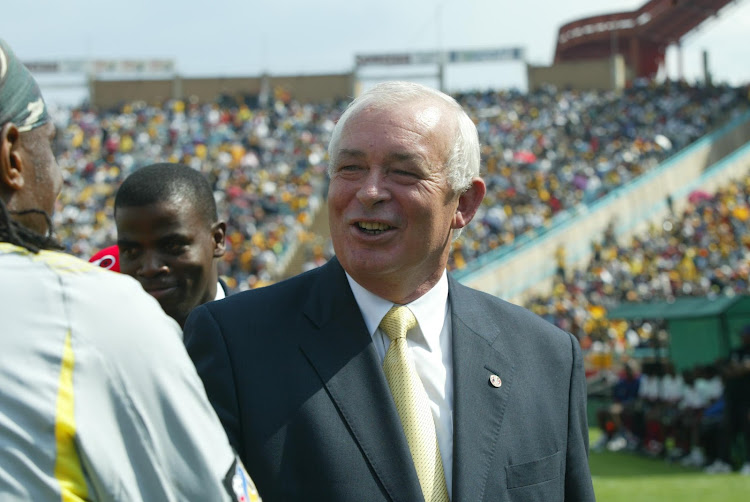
397,322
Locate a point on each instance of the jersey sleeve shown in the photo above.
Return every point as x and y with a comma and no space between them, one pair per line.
145,428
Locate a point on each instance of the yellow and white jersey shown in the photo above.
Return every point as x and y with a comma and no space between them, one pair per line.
98,398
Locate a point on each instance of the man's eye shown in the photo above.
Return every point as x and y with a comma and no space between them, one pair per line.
401,173
128,252
349,168
174,248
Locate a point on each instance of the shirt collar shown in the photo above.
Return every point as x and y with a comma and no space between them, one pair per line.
219,292
374,308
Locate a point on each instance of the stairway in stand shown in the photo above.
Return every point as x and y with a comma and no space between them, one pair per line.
320,235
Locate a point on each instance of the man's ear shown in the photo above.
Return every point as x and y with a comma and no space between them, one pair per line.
219,232
11,175
468,203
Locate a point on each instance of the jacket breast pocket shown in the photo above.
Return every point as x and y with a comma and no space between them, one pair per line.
535,472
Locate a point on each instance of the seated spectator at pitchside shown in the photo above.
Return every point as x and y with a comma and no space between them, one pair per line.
615,420
736,423
703,390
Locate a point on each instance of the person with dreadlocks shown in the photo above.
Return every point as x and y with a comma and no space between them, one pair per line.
98,397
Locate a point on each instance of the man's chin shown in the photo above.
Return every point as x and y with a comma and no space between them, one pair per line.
369,261
373,273
178,315
169,306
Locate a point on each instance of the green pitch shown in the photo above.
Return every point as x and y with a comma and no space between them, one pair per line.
627,477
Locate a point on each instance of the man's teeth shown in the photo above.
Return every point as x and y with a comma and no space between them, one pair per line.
373,226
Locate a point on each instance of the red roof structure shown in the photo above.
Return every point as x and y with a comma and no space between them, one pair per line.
641,36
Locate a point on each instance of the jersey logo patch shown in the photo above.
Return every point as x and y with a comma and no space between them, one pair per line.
239,485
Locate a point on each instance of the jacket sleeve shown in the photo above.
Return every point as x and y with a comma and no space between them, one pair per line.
578,486
207,347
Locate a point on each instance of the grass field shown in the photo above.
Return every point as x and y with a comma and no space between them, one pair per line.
627,477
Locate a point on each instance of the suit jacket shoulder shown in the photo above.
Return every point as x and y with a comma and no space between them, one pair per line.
519,404
490,316
295,379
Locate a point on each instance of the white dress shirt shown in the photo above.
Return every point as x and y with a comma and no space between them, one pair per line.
429,346
219,292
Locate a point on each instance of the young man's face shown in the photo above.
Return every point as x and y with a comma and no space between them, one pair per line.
170,249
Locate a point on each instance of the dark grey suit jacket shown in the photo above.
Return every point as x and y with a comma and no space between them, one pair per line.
295,379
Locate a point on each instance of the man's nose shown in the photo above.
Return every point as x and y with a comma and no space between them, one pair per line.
373,188
152,264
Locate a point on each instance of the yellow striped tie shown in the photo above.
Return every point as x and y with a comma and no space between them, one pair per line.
412,405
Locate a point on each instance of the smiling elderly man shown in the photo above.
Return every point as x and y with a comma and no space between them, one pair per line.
378,377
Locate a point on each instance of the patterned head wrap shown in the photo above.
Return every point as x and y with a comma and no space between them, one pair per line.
21,101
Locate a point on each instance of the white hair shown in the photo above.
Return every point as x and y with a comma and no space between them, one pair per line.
463,159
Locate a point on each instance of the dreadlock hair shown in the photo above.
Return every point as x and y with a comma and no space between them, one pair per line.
14,233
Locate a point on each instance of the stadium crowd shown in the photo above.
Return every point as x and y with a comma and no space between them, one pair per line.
266,166
545,151
692,416
702,252
548,151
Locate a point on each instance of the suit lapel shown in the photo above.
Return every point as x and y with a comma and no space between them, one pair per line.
342,353
478,406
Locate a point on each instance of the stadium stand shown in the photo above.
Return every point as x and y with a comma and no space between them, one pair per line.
550,150
682,416
641,35
266,165
544,152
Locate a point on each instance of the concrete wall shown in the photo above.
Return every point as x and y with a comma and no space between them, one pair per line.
317,88
585,75
109,93
529,268
303,88
208,89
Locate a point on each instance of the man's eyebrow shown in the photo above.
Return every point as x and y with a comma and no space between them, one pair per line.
392,157
126,242
174,237
351,153
402,157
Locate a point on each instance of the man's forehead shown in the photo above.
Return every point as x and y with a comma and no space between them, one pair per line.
429,116
424,122
167,213
426,108
419,117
